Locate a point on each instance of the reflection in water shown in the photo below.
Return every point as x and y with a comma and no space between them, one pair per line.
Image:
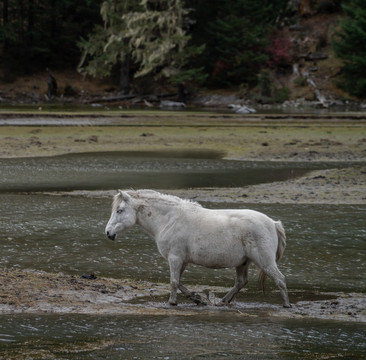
174,337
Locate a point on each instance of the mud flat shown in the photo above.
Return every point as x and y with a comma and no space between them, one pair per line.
311,137
330,186
35,292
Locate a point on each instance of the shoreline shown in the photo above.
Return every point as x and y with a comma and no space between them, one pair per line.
38,292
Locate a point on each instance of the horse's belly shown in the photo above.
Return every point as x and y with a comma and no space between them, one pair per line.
217,255
218,262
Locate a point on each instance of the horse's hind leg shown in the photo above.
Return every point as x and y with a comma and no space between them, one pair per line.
279,279
240,281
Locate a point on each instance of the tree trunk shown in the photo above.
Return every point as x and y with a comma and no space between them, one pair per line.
181,93
30,15
124,80
5,23
5,12
21,21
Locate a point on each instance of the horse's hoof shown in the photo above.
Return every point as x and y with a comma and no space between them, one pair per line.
173,303
287,306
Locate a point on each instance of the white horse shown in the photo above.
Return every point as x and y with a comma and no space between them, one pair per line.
187,233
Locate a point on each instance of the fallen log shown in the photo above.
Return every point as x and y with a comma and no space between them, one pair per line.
141,98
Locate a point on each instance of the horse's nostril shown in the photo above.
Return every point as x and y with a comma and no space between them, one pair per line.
110,236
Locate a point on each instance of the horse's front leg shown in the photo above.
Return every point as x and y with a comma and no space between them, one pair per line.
176,269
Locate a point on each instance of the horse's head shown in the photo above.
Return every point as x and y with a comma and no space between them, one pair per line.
123,215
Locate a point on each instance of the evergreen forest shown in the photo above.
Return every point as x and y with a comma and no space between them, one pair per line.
247,44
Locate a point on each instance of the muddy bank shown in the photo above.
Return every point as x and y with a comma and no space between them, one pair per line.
39,292
330,186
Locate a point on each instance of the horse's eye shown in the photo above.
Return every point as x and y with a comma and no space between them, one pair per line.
120,211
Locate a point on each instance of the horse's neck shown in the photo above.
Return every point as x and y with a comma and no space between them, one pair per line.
154,217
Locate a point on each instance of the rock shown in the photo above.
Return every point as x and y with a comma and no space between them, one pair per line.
317,56
172,104
89,277
93,138
296,27
241,109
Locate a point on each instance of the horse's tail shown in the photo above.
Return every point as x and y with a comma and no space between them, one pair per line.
281,236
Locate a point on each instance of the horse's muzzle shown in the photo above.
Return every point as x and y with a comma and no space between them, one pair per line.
110,236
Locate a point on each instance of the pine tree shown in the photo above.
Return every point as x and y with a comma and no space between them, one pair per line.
350,45
107,46
152,33
236,35
35,34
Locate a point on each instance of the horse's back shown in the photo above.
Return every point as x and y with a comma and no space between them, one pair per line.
224,238
230,223
245,217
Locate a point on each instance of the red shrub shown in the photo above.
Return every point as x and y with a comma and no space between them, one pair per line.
279,51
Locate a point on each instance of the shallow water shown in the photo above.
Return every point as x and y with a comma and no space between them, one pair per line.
177,337
326,243
165,170
113,109
326,251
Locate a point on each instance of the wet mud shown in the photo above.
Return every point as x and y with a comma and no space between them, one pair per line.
35,292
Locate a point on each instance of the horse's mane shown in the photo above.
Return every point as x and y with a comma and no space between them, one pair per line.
152,195
155,195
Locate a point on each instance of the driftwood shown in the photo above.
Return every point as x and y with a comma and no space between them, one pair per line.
321,98
138,98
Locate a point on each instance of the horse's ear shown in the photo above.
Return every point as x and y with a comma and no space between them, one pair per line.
124,195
